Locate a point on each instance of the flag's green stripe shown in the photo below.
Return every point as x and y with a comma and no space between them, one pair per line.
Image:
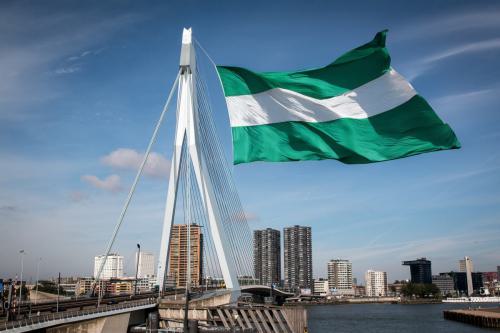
409,129
348,72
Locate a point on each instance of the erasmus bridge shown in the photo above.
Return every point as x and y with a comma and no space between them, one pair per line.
212,270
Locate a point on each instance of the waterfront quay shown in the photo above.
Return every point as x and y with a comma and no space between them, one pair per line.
488,318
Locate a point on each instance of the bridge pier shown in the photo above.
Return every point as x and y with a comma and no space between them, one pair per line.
217,315
118,323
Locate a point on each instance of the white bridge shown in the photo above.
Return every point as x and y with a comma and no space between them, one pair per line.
210,252
212,246
102,319
209,197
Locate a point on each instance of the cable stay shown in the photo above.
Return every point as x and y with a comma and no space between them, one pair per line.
206,241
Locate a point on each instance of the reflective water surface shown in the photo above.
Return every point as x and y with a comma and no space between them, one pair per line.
365,318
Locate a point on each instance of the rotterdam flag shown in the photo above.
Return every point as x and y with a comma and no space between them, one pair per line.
358,109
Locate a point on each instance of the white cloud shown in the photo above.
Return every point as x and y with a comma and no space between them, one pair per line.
68,70
465,99
129,159
69,66
452,23
441,25
485,45
111,183
415,69
43,45
84,54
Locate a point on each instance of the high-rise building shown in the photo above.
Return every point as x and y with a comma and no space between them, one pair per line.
460,281
466,266
340,276
267,256
445,283
376,283
420,270
113,268
462,264
298,258
146,266
178,255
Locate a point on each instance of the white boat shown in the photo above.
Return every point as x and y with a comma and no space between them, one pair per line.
493,299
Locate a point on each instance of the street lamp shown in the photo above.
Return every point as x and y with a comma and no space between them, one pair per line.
21,252
137,266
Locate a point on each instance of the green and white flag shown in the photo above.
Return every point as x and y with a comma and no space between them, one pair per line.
358,109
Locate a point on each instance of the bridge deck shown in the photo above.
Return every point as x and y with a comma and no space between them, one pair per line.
54,319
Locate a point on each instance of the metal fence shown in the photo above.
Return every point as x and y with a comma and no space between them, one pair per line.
50,317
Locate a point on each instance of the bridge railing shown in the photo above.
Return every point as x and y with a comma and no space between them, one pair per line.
48,317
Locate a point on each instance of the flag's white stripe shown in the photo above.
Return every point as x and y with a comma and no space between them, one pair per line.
280,105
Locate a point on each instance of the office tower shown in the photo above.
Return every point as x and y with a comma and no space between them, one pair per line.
340,276
420,270
146,267
467,268
445,283
113,268
267,256
178,255
298,258
376,283
462,264
461,281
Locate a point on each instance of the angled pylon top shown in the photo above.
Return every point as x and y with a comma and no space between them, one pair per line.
187,50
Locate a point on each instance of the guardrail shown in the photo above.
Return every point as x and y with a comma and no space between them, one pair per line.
37,321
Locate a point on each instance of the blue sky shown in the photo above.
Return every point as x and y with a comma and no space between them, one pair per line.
84,82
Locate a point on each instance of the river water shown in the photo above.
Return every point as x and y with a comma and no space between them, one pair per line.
426,318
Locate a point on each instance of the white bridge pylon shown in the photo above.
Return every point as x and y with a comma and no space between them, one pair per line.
188,136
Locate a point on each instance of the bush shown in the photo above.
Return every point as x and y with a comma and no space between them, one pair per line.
50,287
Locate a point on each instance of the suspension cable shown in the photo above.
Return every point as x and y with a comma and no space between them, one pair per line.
136,180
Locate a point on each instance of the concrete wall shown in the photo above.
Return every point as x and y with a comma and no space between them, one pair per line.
113,324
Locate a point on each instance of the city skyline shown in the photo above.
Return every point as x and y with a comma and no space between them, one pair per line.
325,277
86,81
315,276
356,281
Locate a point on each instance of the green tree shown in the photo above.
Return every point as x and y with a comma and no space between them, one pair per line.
420,290
50,287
